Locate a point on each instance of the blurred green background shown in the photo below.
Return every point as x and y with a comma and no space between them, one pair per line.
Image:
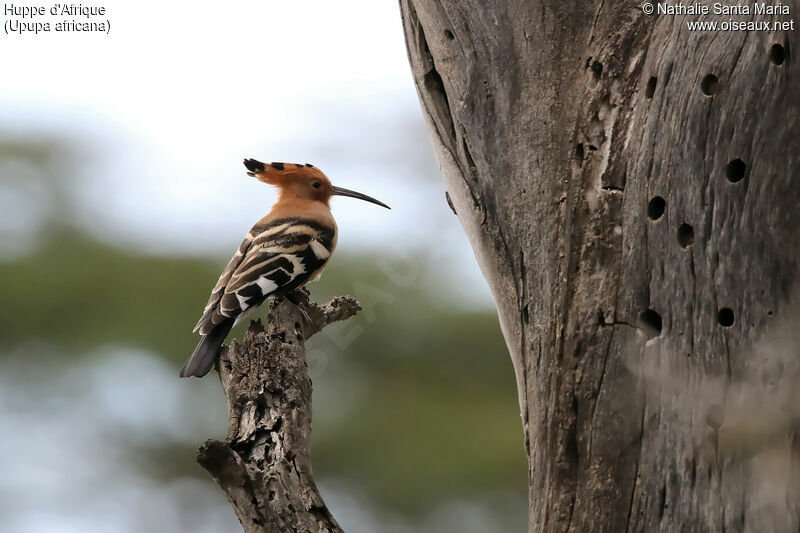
122,195
416,424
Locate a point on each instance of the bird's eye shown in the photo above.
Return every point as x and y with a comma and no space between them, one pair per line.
316,185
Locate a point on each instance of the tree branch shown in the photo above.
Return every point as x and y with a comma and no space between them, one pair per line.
264,464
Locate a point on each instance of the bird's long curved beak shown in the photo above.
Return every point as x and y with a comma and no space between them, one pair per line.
339,191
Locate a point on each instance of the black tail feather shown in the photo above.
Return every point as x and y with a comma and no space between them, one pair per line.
205,355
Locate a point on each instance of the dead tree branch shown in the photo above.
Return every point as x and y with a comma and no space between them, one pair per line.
264,465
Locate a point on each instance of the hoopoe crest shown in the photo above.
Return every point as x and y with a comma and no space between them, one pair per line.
284,250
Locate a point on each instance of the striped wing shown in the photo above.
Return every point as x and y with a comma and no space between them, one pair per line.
273,259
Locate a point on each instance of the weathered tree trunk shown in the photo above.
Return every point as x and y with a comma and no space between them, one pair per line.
264,465
631,191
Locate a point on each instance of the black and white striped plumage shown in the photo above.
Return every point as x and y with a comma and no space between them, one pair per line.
276,257
285,250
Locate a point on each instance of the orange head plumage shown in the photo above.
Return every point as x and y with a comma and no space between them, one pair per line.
303,182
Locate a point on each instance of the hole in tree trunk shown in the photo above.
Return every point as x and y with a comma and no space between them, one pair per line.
709,85
597,70
777,54
685,235
655,209
735,170
725,317
652,323
650,90
449,35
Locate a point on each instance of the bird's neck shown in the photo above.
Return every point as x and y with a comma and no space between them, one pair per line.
289,206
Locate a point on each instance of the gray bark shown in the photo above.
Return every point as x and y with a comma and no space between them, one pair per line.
637,221
264,465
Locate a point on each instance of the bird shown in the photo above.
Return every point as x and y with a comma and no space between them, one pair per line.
285,250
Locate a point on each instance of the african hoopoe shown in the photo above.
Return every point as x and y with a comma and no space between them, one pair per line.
285,250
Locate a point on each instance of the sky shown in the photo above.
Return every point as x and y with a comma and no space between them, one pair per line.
173,99
166,106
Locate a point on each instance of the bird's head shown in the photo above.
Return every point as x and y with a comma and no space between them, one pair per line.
305,182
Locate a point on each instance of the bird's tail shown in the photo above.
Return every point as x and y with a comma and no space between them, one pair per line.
205,355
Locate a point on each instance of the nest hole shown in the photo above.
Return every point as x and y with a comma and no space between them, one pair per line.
777,54
656,207
449,35
652,323
685,235
709,85
650,90
725,317
735,170
597,70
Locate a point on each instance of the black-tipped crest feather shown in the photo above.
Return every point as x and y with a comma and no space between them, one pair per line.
253,165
